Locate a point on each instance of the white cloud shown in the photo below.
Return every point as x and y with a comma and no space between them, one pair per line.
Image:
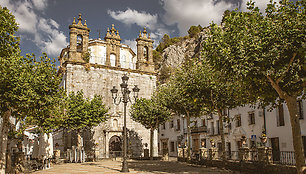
54,23
130,16
55,44
25,16
54,40
141,19
131,44
43,32
185,14
261,4
40,4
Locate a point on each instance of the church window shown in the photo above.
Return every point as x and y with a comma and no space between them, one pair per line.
131,62
113,59
103,58
123,61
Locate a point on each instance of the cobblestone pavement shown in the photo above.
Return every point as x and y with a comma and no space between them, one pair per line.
145,167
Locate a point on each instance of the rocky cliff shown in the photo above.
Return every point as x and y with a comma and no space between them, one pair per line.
175,55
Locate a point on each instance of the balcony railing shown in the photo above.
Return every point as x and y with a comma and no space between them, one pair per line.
215,131
201,129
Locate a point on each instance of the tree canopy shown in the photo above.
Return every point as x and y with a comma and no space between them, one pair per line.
84,113
266,54
149,113
194,30
175,95
46,105
29,87
9,44
262,50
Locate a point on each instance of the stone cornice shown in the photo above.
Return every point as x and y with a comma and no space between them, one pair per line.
79,27
145,39
110,67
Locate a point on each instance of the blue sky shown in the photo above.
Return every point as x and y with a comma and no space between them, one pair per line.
43,24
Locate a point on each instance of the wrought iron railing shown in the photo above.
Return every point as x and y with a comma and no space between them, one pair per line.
251,155
199,129
283,157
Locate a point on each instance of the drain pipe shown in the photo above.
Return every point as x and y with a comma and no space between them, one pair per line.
264,116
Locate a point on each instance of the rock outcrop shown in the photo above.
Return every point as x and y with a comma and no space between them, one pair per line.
176,54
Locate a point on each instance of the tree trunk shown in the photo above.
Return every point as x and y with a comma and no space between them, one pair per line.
151,143
79,147
4,140
188,137
296,132
79,142
221,134
291,102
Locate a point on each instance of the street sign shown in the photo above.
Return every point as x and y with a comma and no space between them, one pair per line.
253,137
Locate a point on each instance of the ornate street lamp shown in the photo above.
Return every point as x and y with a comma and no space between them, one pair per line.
125,99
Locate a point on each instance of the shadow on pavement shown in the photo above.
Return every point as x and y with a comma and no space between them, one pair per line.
110,168
163,166
89,164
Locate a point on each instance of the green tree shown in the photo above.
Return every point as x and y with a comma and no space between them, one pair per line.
194,30
157,58
211,89
45,97
29,89
174,95
150,114
82,113
9,60
267,54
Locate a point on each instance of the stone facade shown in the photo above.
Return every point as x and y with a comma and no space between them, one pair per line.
109,61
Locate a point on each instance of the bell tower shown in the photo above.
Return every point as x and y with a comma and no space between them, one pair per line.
112,39
79,36
144,52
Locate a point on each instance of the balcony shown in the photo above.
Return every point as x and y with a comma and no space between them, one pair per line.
201,129
215,131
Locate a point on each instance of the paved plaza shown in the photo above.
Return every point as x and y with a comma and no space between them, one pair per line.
135,166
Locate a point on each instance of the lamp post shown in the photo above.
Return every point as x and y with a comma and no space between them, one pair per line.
125,99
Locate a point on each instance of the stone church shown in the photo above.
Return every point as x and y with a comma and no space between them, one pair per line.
109,60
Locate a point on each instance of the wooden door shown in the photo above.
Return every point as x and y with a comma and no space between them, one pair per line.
275,149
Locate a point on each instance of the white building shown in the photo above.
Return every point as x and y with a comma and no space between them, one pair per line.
245,121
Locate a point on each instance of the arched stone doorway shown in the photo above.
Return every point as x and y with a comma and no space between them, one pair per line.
115,146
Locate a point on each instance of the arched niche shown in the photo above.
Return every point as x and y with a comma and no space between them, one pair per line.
145,53
79,43
115,124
